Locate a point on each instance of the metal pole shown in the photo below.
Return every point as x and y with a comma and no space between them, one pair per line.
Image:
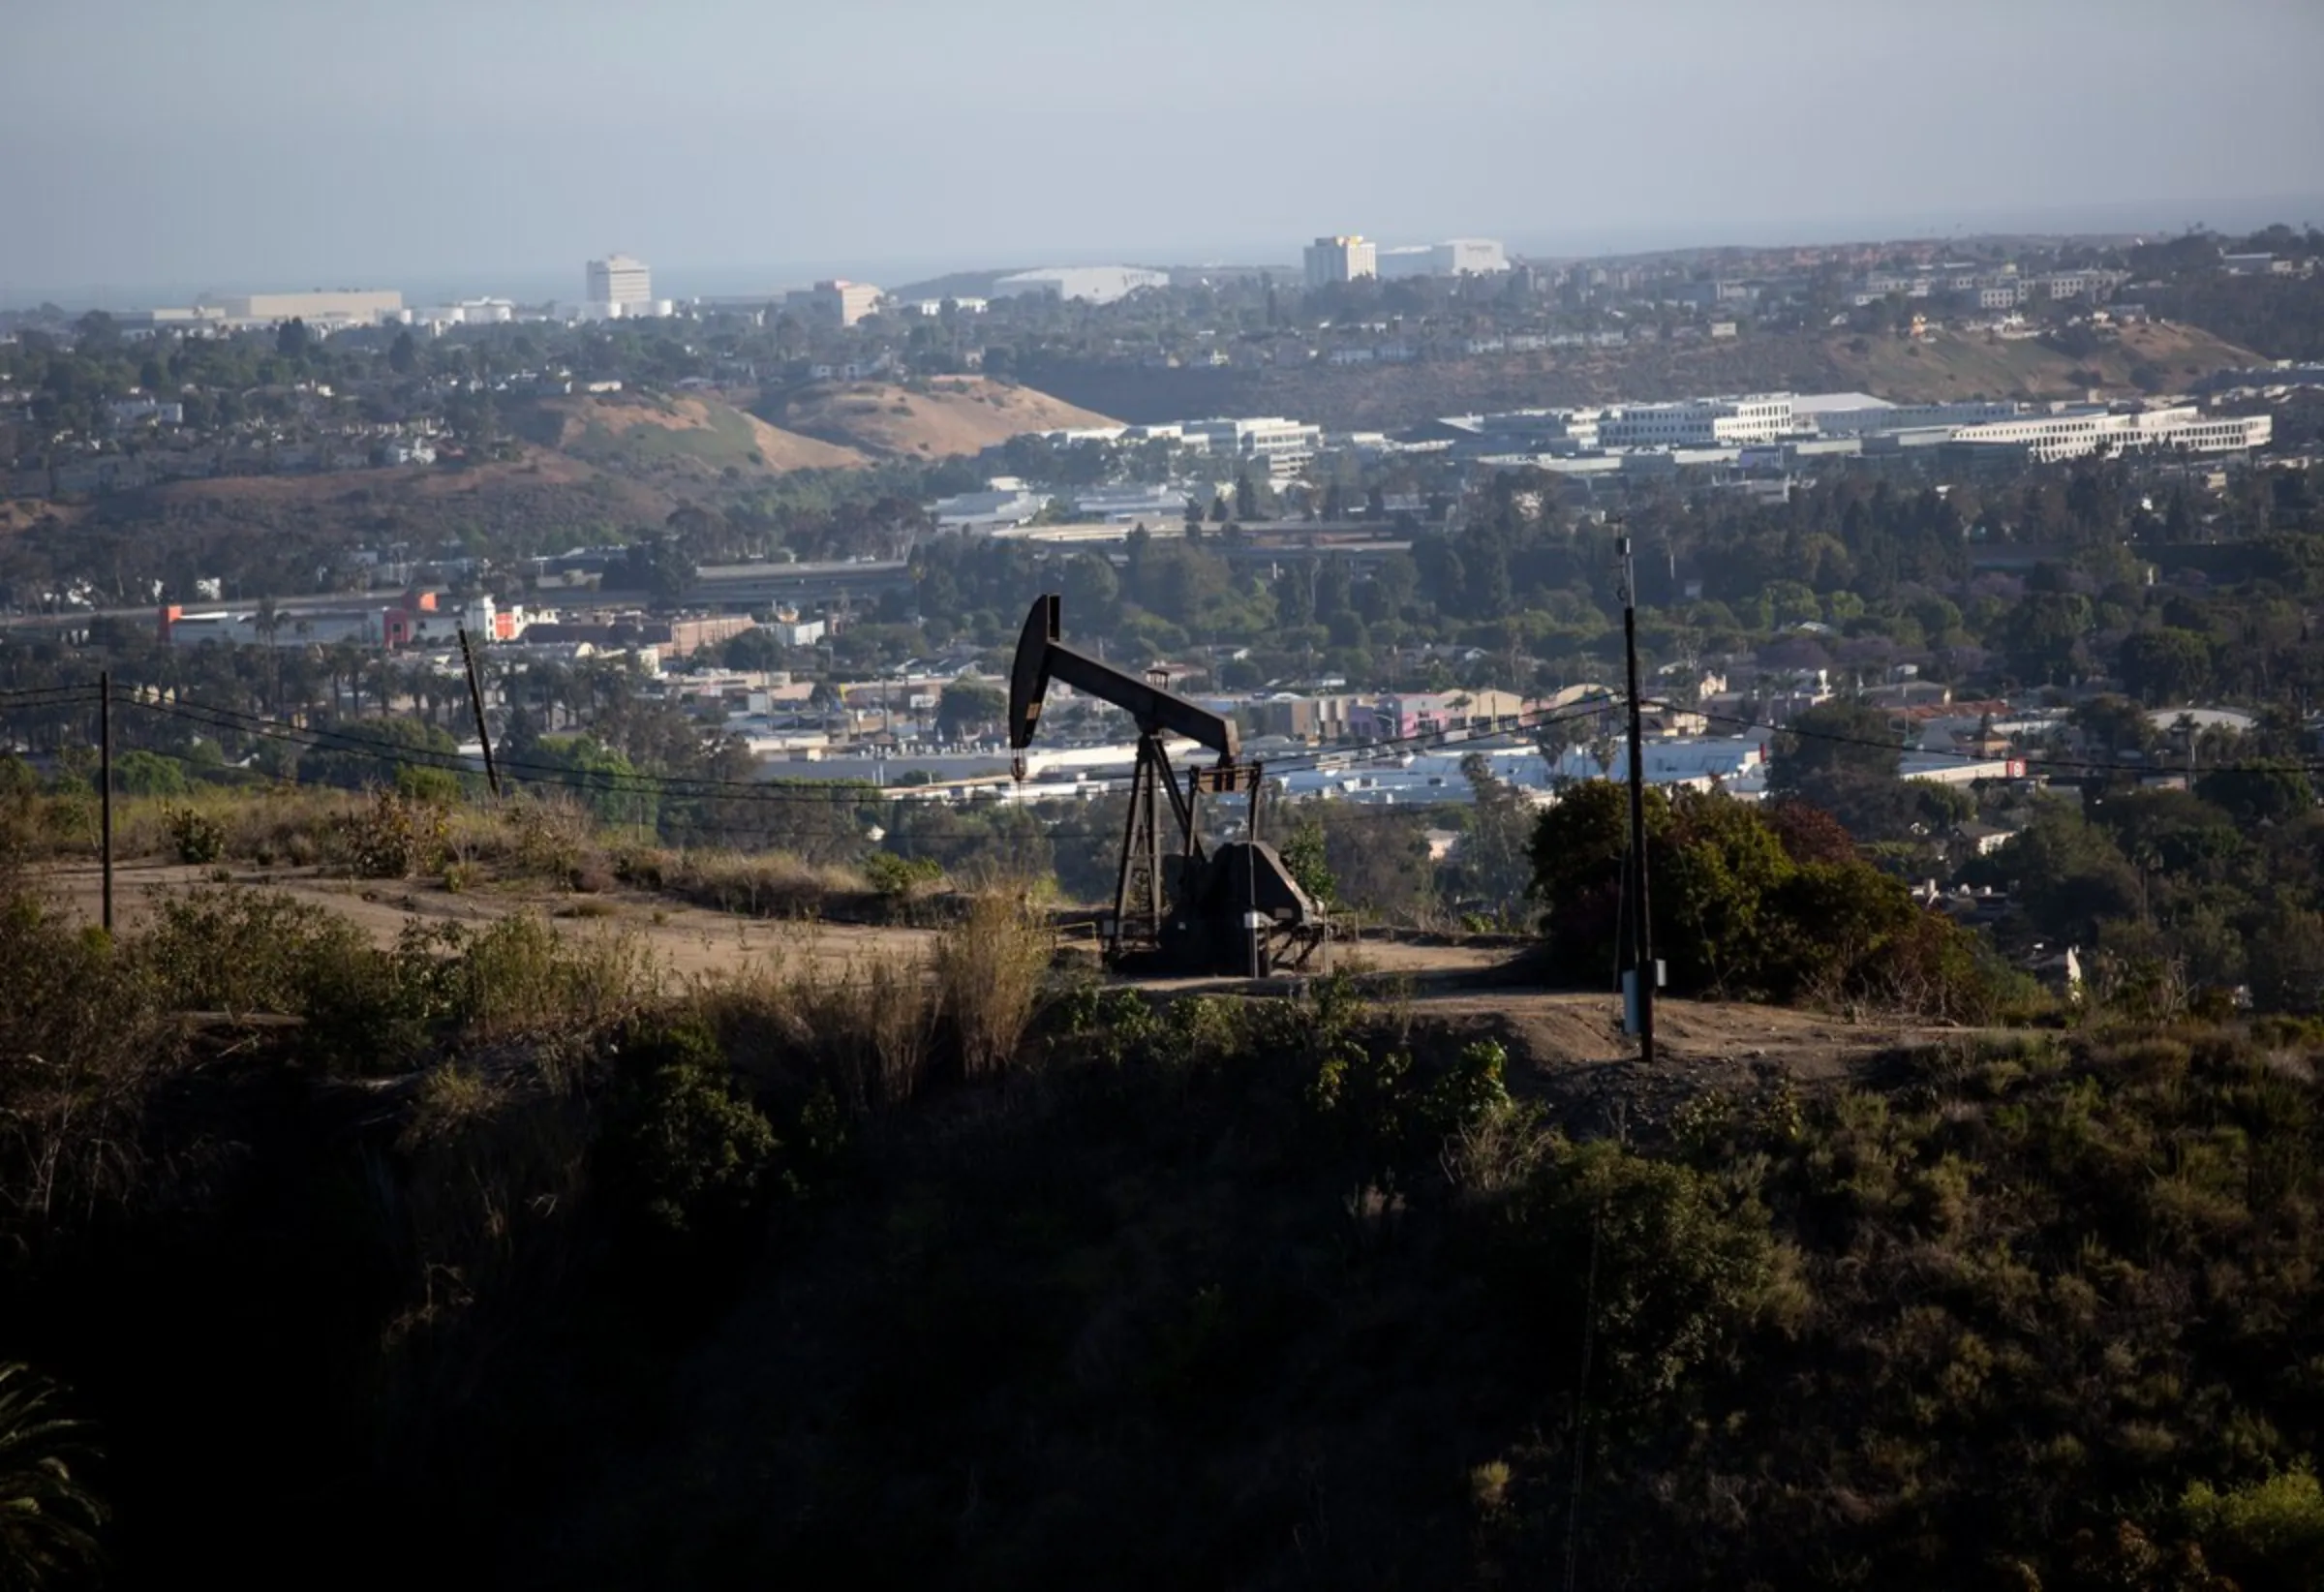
476,704
105,785
1642,963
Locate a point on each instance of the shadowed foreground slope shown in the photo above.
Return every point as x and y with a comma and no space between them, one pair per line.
503,1266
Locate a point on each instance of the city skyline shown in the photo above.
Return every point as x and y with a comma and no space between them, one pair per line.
1578,132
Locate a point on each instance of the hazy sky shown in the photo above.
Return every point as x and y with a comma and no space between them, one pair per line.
300,142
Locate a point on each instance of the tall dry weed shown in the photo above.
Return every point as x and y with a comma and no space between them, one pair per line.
989,970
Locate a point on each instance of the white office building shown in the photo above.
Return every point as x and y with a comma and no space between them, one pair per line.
1333,259
623,285
1090,284
1697,423
1282,443
2081,432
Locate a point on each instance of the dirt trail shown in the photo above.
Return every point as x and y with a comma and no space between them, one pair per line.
685,941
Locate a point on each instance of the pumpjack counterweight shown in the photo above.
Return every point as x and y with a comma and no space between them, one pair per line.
1237,910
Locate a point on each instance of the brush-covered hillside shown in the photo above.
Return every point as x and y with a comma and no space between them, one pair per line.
495,1253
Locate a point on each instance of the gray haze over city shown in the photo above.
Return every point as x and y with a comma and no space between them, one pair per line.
164,147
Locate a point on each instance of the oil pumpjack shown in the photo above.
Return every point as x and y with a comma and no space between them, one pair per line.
1235,909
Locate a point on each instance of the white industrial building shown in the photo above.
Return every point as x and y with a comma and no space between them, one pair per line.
354,306
1344,259
1091,284
469,312
620,285
1130,505
1005,502
1454,257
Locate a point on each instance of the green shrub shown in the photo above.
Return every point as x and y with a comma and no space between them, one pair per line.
240,951
394,837
894,877
2269,1533
684,1151
197,838
1679,1269
422,783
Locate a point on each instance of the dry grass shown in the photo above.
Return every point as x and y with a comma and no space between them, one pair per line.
990,970
770,885
867,1029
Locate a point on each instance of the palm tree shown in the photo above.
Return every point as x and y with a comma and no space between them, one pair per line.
48,1520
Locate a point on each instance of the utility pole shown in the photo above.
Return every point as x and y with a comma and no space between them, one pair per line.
1645,971
105,785
475,705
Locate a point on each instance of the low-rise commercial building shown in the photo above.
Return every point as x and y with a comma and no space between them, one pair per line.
2079,432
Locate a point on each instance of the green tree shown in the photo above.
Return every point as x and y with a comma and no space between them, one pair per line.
358,752
1832,747
141,772
2252,793
2164,667
967,706
1303,857
754,650
612,787
2043,636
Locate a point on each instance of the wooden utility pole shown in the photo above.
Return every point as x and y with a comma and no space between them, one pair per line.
1645,971
476,704
104,786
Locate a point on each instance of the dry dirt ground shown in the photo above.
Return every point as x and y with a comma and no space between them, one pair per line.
1566,1048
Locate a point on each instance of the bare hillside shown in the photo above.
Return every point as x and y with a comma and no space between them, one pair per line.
954,415
1978,365
683,435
